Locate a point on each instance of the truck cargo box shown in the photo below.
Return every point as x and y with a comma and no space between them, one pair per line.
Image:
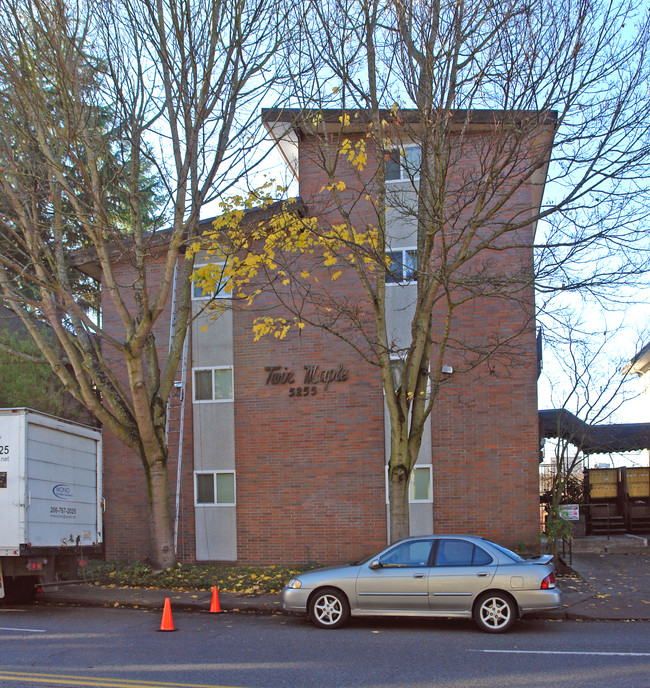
50,483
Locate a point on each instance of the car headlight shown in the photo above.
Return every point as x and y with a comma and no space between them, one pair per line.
294,583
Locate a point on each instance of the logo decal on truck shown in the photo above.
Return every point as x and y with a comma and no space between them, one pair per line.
62,491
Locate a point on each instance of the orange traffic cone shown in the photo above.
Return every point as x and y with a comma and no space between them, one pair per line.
167,623
214,605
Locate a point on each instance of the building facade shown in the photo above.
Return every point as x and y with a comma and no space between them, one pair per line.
285,442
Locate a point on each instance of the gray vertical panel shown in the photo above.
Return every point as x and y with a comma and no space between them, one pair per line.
214,436
420,519
216,533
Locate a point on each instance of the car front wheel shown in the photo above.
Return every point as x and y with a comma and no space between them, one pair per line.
329,608
495,612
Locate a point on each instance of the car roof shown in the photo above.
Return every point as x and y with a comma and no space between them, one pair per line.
445,536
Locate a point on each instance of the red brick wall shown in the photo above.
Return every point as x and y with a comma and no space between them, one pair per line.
310,470
485,424
485,438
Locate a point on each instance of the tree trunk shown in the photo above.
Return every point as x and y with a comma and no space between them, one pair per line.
398,498
161,523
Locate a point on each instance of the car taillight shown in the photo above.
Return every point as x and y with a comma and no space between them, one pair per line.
549,582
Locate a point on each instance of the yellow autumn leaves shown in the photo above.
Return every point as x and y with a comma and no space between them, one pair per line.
250,256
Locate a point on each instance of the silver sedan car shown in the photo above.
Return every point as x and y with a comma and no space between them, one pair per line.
437,576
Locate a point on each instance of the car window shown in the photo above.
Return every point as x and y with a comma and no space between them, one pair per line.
481,557
412,553
507,552
461,553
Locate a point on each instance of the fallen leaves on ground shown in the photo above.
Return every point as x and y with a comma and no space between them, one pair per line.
247,580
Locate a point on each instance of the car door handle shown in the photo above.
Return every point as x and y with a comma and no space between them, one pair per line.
482,574
418,575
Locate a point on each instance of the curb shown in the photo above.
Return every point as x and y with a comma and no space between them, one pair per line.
271,607
197,601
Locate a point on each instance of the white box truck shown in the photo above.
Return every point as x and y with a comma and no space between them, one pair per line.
50,498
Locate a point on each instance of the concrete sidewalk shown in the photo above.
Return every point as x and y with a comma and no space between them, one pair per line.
613,584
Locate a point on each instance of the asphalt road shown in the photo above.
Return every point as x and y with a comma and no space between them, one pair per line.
62,646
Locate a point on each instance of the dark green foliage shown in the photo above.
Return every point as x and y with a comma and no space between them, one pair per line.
574,492
24,382
30,382
83,180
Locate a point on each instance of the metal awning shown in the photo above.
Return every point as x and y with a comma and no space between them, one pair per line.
594,439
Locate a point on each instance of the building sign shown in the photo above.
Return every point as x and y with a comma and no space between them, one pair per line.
307,383
569,512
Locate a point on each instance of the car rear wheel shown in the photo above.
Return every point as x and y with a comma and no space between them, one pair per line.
329,608
495,612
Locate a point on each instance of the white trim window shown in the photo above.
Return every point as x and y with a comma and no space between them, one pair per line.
198,291
402,264
403,164
420,484
214,488
212,384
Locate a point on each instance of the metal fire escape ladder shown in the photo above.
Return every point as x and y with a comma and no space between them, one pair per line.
179,384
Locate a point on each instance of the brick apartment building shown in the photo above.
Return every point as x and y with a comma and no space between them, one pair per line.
285,442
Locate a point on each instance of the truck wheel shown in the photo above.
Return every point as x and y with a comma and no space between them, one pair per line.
20,590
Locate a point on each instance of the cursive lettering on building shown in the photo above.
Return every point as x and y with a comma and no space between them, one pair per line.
314,376
278,376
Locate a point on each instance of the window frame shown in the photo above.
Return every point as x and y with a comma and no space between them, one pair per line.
404,176
421,466
213,369
214,474
221,294
403,265
428,466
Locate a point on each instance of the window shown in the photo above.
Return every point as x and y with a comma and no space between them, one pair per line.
213,384
412,553
461,553
420,484
512,555
401,266
420,487
403,164
214,488
198,289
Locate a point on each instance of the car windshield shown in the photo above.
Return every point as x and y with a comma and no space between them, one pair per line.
365,559
509,553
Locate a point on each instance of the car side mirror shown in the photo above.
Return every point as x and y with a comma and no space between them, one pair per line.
374,564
